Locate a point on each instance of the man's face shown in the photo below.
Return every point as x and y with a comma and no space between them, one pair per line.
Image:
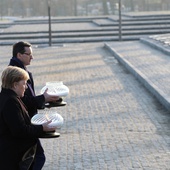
26,57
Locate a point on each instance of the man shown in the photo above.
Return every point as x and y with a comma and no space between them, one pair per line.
22,56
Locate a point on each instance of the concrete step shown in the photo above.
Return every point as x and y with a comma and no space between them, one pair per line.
55,41
41,35
82,29
133,22
149,65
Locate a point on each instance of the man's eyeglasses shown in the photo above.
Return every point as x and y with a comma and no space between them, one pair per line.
28,54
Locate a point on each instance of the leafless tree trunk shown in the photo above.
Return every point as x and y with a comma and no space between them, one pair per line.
132,5
112,5
105,8
75,7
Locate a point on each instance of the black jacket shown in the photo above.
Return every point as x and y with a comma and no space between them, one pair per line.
17,133
32,101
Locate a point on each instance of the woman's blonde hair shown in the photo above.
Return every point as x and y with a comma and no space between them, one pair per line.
11,75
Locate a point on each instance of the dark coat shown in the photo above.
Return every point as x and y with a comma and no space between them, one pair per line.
30,100
17,133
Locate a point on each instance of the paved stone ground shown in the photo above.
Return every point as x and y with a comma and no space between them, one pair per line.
111,122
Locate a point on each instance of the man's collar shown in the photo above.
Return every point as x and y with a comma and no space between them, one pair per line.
17,62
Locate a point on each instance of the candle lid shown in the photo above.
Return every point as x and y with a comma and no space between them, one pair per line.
56,88
40,118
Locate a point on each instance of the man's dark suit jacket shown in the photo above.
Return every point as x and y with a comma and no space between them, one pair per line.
30,100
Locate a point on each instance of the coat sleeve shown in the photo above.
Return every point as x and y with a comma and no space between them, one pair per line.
30,101
18,121
33,100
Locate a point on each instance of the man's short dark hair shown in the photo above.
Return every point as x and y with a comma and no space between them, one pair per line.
19,47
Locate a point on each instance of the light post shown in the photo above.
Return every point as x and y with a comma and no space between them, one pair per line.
49,20
120,21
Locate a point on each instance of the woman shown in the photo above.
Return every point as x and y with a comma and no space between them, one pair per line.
17,134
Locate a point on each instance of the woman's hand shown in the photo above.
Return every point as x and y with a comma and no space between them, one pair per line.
47,128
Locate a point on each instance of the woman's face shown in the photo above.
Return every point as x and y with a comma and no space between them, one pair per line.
19,87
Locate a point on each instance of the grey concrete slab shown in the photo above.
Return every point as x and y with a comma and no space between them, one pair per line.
159,42
140,14
148,65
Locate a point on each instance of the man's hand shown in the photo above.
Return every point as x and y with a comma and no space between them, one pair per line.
50,98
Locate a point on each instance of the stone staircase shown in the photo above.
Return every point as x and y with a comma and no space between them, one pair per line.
96,29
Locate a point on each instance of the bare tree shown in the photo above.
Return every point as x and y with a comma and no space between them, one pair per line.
112,5
105,8
75,7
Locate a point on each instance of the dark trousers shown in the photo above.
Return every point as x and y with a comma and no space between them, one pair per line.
39,158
